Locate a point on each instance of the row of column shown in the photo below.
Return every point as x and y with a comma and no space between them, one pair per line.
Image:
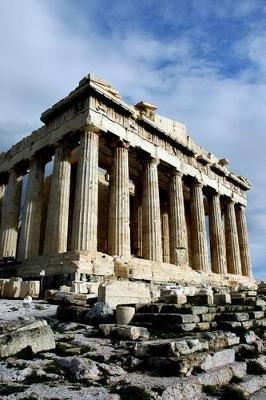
230,255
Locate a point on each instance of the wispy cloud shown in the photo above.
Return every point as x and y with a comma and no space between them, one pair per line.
201,63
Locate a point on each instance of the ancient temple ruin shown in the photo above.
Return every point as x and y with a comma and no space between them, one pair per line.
111,189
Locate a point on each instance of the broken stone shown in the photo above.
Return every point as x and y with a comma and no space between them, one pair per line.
99,313
218,359
37,336
132,332
80,369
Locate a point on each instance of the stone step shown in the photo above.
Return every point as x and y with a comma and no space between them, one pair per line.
212,341
233,317
237,326
191,363
249,385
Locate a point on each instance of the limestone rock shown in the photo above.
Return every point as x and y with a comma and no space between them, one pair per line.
183,391
37,336
218,359
100,313
80,369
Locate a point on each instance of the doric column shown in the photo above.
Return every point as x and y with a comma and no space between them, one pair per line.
29,240
231,237
199,235
151,218
10,216
84,233
2,194
137,221
165,232
58,207
243,240
118,227
177,221
217,239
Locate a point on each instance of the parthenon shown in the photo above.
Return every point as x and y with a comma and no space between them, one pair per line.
105,188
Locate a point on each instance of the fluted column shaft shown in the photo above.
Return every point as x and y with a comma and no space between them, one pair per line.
29,241
243,240
84,233
199,235
165,233
2,194
232,243
10,216
177,222
58,208
119,219
151,218
137,221
217,239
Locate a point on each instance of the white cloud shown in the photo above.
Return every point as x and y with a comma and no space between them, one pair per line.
47,47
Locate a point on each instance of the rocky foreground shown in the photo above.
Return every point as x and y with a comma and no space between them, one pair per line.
170,351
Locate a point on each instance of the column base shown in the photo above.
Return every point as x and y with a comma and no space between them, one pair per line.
133,269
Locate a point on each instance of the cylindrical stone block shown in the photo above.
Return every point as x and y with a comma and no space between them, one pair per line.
119,214
84,233
243,240
199,235
151,215
232,243
217,239
177,221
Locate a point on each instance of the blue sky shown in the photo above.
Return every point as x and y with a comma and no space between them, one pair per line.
202,62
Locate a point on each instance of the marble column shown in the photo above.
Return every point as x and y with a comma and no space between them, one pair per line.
165,232
177,221
137,221
2,194
10,216
243,240
151,218
85,220
119,208
29,240
199,235
217,239
58,207
232,243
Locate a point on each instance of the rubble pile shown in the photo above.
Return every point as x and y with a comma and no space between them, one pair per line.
190,344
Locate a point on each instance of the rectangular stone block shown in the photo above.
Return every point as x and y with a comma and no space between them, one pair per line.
123,292
12,288
30,288
177,318
175,298
222,298
218,359
3,282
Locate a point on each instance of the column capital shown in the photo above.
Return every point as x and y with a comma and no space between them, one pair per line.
197,182
241,206
230,200
149,159
214,192
120,143
90,128
175,172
